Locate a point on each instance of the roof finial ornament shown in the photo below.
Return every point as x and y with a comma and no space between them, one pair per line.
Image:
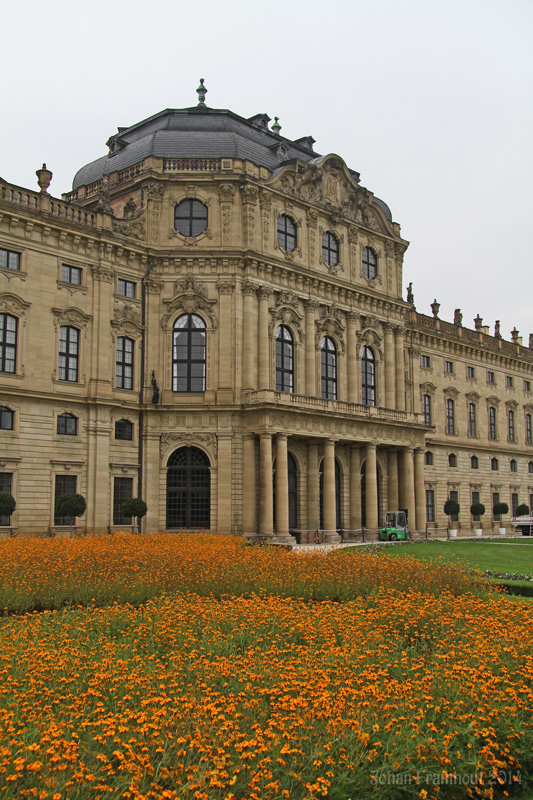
276,127
201,92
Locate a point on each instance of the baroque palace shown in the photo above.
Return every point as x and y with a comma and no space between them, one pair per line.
213,320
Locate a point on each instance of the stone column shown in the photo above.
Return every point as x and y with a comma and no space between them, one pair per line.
408,496
393,488
420,494
282,491
328,484
355,488
225,338
310,350
153,451
249,357
351,357
264,343
372,511
249,490
414,354
400,376
390,368
224,483
266,524
313,487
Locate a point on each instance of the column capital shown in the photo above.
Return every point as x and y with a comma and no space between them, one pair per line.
264,292
249,288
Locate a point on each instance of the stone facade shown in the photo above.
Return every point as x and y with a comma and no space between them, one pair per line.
241,319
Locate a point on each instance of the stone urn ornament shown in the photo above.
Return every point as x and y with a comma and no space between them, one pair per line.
44,178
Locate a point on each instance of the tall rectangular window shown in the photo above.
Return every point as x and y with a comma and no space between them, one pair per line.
124,363
470,372
471,419
6,482
425,362
430,505
490,377
448,366
511,425
492,422
9,259
514,503
426,408
68,353
65,484
450,416
475,499
454,496
509,381
527,386
529,434
122,491
495,501
8,343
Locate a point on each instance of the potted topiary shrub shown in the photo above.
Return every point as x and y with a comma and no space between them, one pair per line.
135,508
7,504
451,509
71,505
522,510
477,510
498,510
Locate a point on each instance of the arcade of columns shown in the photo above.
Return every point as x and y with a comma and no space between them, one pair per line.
405,464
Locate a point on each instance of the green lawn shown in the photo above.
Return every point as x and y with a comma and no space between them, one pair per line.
504,557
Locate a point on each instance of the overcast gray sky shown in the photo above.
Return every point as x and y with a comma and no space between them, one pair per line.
430,100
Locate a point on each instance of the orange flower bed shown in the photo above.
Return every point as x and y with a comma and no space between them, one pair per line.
392,693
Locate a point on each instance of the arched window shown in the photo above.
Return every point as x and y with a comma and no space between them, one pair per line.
474,462
426,408
124,430
330,249
67,424
286,232
513,465
368,377
471,419
370,263
511,425
284,360
328,361
452,460
188,489
528,429
68,354
8,343
190,217
530,467
450,416
494,465
124,363
428,459
492,422
189,354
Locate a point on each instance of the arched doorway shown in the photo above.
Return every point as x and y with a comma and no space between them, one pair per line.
338,523
363,493
188,489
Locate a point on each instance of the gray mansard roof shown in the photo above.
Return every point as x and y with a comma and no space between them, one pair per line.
200,132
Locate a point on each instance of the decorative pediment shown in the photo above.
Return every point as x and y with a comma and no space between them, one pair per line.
11,304
286,315
493,401
511,405
205,441
326,181
70,316
134,228
190,285
288,299
370,338
126,322
427,388
473,397
451,393
189,302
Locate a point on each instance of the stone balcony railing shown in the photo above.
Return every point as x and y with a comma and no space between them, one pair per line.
304,402
471,337
50,207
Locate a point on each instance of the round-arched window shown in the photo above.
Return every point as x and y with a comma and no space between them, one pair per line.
189,354
328,368
368,377
370,263
284,360
190,217
286,232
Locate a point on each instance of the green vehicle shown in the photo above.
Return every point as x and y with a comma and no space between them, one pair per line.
395,527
